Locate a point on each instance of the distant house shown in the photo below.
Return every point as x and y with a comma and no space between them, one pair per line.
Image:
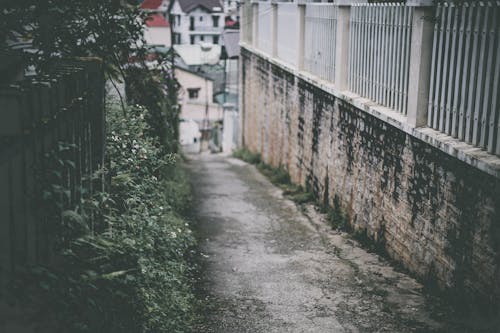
195,21
157,31
196,97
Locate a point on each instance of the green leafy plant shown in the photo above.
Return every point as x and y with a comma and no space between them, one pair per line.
134,275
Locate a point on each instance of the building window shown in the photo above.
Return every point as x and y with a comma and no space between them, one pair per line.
202,38
193,93
216,21
178,20
216,39
177,38
192,39
191,23
201,18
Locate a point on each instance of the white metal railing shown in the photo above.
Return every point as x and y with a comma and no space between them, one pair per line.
320,33
437,65
463,97
287,43
246,22
264,23
380,53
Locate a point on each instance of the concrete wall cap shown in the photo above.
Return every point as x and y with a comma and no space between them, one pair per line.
420,3
348,2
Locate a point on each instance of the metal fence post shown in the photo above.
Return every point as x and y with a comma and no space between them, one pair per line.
342,46
255,23
274,28
420,61
301,7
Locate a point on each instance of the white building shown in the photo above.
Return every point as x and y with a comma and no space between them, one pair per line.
190,136
196,97
195,21
157,31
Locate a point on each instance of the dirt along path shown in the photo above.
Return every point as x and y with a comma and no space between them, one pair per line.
272,267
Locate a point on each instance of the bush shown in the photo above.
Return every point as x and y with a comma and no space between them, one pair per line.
133,276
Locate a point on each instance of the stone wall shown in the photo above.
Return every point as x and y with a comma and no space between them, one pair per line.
439,217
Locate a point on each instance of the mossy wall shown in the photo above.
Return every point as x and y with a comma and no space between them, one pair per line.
437,216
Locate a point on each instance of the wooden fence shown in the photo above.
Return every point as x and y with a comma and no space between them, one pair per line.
37,115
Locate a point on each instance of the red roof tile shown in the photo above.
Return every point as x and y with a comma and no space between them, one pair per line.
156,20
151,4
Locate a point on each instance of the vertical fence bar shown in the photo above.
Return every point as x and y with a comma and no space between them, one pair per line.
454,14
466,79
409,30
490,42
459,70
494,121
439,77
469,123
392,47
445,63
480,84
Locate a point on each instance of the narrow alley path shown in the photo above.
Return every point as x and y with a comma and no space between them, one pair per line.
273,268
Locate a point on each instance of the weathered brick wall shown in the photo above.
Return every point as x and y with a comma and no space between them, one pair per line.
436,215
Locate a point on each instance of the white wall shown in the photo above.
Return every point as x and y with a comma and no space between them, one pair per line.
190,136
157,36
195,108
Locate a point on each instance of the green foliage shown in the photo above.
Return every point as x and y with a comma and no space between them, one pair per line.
156,90
120,256
335,215
133,276
79,28
247,156
299,195
278,176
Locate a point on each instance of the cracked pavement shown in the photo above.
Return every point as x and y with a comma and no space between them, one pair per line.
270,266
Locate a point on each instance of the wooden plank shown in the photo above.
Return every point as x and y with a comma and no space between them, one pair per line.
18,226
5,224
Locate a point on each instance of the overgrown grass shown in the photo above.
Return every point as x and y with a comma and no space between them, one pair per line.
281,178
247,156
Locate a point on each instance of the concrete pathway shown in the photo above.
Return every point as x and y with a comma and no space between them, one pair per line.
271,267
